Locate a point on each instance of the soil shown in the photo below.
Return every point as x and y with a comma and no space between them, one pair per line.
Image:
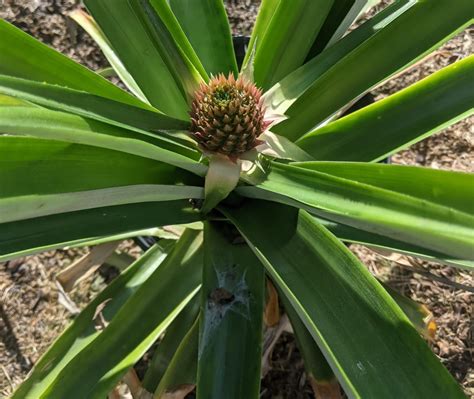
31,315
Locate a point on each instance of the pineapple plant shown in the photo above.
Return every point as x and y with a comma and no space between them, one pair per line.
251,179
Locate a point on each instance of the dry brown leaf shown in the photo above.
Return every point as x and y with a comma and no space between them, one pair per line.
325,389
86,265
180,392
271,315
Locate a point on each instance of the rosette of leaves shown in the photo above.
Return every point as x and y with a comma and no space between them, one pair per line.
84,162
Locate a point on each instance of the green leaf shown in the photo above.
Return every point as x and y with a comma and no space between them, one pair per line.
26,57
89,25
265,13
180,376
369,208
139,53
340,17
221,179
354,235
51,167
232,296
368,341
397,121
207,28
151,232
135,326
44,123
96,177
447,188
90,105
8,101
282,148
33,206
287,38
156,232
418,314
283,94
82,331
318,371
172,25
413,34
356,10
164,353
107,72
33,235
173,44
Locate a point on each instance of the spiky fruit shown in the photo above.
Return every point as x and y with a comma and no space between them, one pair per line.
227,116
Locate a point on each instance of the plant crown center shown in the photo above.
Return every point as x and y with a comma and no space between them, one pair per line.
227,116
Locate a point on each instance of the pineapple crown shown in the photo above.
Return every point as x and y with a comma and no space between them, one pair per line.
227,116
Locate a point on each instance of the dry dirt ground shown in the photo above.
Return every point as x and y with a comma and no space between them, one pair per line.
31,315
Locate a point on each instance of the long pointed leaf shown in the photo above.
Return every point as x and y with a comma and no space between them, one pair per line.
90,26
370,208
173,44
164,353
447,188
265,13
169,20
336,27
27,58
288,38
89,105
366,338
51,167
43,123
413,34
354,235
319,372
96,369
82,330
64,229
207,28
283,94
132,41
33,206
151,232
230,338
341,15
180,376
400,120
